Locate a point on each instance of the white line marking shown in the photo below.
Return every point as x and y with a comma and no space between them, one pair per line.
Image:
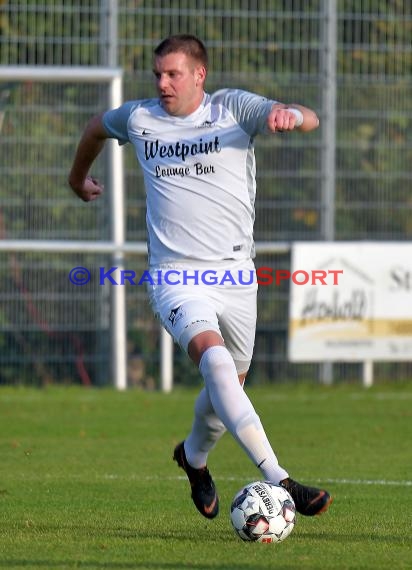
383,482
367,482
318,397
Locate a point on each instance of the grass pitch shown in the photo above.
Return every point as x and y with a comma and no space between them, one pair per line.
87,480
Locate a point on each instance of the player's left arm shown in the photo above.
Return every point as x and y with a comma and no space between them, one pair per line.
291,117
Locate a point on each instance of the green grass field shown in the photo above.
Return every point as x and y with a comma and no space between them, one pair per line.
87,480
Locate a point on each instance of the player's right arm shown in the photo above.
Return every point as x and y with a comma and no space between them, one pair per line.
90,146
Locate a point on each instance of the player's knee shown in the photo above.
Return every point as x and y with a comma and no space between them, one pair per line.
201,342
216,364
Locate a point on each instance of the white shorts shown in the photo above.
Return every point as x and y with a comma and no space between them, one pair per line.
191,297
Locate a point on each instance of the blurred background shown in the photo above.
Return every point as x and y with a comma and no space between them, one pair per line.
351,61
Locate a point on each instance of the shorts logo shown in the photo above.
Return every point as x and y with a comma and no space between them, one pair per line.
195,322
175,315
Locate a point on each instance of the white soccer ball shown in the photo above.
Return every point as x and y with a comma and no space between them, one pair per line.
263,512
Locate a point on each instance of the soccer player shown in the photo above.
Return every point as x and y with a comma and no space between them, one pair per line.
196,152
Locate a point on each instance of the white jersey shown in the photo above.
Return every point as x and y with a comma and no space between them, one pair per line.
199,173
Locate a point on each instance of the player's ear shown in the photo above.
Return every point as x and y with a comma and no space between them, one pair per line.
200,74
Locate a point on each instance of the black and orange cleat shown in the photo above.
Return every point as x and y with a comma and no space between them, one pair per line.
204,493
309,501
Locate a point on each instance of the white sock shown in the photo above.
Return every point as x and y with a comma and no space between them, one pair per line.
207,429
236,411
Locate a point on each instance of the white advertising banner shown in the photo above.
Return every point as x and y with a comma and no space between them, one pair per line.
350,301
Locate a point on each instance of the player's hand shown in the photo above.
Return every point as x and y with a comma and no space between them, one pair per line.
281,119
90,190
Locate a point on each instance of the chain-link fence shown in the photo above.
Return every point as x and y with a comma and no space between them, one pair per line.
350,61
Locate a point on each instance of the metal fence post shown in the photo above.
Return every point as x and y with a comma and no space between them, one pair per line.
328,130
108,57
117,222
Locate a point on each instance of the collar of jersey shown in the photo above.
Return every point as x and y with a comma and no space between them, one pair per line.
198,111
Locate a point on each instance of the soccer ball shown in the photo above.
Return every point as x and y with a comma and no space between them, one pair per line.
263,512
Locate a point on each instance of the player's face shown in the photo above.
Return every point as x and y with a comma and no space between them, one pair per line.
179,82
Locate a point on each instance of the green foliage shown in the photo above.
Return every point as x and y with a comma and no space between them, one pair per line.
274,47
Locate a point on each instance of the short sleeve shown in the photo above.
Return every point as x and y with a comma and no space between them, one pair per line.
116,121
249,109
